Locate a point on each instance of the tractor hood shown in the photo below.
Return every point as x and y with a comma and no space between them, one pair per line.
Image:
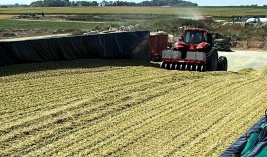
203,45
191,47
180,45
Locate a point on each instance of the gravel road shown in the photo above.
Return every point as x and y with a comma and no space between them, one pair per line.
240,59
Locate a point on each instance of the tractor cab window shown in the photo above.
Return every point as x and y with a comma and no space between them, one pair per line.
193,37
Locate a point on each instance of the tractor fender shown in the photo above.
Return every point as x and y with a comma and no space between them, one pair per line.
180,45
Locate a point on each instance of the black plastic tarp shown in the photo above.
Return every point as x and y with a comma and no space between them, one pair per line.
239,144
123,45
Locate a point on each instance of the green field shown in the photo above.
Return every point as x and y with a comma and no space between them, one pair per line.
52,25
147,18
124,108
212,11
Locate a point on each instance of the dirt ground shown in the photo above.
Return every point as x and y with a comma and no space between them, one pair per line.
3,17
35,37
240,59
34,33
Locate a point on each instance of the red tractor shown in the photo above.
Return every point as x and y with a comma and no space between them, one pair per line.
195,52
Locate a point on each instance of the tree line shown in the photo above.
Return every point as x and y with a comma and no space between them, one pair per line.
67,3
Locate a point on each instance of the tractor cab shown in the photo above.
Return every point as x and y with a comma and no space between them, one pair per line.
194,39
194,36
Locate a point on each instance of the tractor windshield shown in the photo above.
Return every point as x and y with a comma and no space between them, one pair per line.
193,37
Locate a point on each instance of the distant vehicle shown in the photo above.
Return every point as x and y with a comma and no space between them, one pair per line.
255,21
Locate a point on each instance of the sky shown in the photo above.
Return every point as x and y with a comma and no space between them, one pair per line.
199,2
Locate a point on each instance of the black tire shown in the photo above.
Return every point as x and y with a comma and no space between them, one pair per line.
222,63
212,60
225,64
167,66
171,66
162,65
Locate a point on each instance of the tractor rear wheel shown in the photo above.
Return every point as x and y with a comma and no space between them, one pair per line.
222,63
212,60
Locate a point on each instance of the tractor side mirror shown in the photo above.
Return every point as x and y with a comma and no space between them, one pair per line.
206,36
181,37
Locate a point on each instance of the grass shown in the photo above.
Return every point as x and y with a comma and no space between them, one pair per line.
118,17
124,108
212,11
50,25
